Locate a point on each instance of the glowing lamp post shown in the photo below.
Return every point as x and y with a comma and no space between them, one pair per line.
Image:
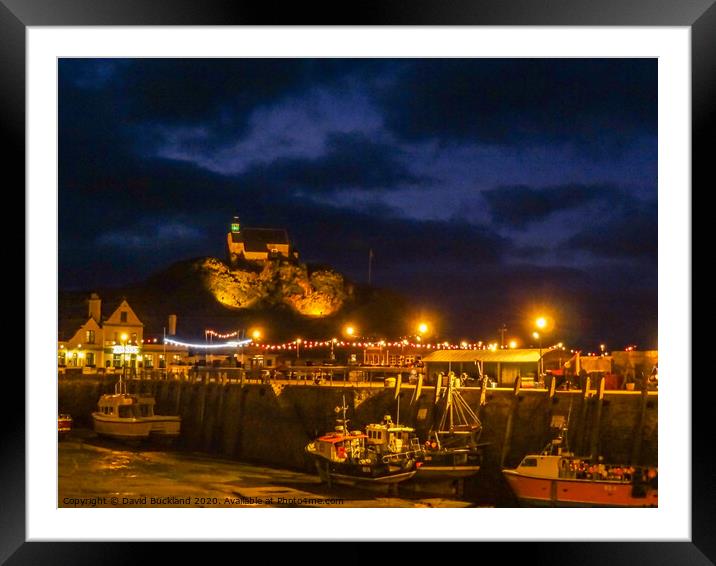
124,355
298,348
541,324
538,336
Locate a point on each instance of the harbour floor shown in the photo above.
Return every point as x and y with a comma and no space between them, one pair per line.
95,472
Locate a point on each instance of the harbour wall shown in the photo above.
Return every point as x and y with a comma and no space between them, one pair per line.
270,423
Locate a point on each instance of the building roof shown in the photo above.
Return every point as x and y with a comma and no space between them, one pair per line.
515,356
74,313
258,239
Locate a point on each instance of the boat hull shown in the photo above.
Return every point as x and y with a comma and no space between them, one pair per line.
435,472
362,474
164,426
540,491
121,429
449,464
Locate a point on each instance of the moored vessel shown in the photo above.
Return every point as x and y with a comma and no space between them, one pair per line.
557,478
452,450
64,425
359,459
124,416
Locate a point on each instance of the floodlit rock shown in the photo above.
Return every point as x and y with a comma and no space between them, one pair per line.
320,294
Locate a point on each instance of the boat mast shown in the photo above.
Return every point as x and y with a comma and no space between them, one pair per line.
166,362
449,401
345,422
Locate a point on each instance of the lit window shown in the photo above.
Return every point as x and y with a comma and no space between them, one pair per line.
89,337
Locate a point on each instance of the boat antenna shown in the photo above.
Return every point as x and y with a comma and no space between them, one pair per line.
344,408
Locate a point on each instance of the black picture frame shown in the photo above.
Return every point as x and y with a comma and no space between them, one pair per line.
698,15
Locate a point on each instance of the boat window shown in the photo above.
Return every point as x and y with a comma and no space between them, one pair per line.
125,411
529,462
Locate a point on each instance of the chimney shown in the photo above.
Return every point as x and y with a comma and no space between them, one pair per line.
172,325
95,307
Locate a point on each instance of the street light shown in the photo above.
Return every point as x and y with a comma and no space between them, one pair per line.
423,328
256,334
540,367
124,355
333,341
349,330
298,348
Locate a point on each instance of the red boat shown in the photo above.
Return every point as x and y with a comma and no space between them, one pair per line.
64,424
559,479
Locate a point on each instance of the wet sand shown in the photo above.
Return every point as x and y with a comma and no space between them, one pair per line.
95,472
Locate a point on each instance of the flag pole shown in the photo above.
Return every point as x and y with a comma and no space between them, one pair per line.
370,262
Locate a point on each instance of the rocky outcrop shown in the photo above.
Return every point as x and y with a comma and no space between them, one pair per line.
317,294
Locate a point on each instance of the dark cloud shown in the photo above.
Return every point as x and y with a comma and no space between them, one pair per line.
600,103
633,233
519,205
351,160
218,94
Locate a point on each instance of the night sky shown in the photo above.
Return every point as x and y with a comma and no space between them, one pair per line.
488,189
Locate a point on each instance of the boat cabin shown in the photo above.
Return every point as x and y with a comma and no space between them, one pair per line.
389,437
126,406
541,466
145,406
338,446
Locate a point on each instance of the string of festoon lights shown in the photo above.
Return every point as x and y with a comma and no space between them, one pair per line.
222,336
230,344
308,344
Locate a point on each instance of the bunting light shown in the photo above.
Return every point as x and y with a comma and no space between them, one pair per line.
230,344
336,343
222,336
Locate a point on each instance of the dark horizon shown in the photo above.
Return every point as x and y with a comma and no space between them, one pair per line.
488,189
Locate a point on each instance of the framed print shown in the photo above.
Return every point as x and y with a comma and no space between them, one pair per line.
396,278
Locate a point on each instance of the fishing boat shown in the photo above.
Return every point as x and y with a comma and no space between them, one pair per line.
452,450
393,442
557,478
124,416
360,459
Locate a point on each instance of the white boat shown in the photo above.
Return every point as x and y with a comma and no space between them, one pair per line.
131,417
117,417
